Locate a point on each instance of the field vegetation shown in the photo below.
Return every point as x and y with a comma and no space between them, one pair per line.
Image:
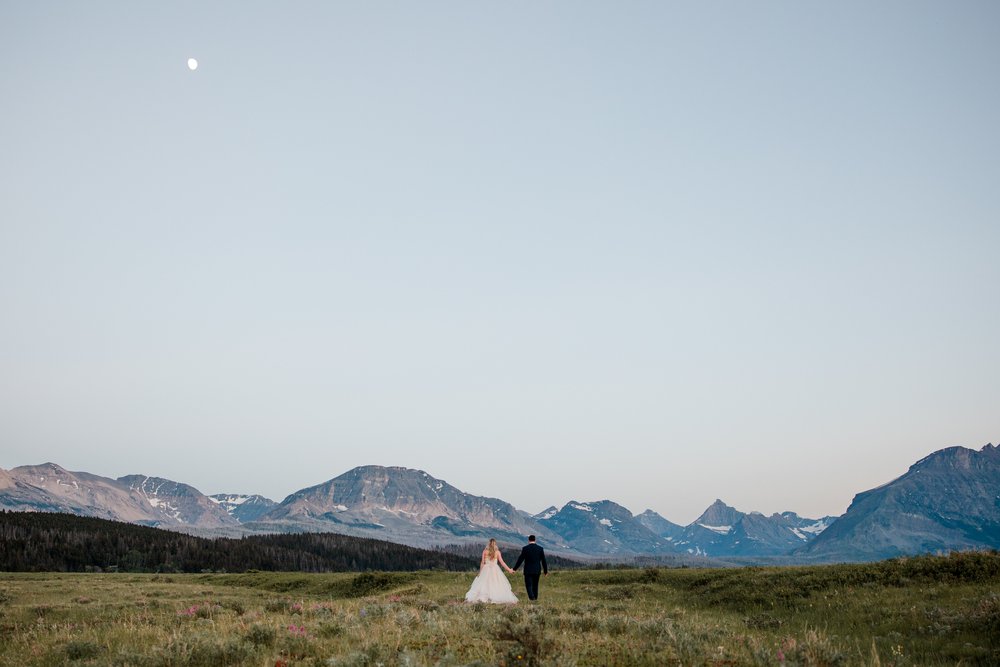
919,611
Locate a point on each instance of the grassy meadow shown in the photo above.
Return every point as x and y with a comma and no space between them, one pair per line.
920,611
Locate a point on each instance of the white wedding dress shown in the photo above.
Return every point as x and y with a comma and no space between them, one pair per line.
491,585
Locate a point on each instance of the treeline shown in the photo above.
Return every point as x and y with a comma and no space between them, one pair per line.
44,542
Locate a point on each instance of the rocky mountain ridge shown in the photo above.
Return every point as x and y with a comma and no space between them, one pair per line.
149,501
401,504
948,500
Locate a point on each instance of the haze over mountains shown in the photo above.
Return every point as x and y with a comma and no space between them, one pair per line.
948,500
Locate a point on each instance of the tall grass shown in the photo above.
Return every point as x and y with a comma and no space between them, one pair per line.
921,611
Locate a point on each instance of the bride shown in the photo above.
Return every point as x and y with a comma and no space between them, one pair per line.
491,585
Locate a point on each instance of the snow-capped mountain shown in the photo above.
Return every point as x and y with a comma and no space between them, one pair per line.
948,500
243,508
603,528
723,531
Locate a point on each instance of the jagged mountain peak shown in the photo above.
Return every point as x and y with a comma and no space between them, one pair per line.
719,514
546,513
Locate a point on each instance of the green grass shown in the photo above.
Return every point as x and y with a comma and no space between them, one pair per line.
923,611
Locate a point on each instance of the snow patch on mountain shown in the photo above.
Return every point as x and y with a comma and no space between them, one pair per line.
818,527
721,530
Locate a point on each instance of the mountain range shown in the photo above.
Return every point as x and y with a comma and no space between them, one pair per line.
946,501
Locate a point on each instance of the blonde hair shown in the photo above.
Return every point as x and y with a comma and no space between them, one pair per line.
491,549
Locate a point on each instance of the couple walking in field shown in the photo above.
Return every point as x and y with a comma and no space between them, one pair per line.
492,586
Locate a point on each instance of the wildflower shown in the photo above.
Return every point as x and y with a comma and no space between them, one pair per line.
190,611
297,630
296,608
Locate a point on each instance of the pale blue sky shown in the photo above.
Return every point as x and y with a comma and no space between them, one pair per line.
653,252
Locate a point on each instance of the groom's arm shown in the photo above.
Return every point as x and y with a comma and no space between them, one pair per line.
520,559
545,566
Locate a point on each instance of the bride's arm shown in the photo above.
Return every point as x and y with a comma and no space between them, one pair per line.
500,560
482,561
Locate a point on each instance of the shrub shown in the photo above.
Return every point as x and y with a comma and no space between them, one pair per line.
370,583
413,591
650,575
328,630
81,650
208,610
235,605
204,652
261,635
814,649
280,606
621,592
762,621
530,644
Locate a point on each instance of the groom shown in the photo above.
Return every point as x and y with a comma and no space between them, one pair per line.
533,557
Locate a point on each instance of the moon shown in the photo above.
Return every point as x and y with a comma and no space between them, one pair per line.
192,64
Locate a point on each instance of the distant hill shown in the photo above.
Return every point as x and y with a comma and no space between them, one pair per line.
40,541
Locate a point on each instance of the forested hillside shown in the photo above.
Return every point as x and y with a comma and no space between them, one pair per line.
39,542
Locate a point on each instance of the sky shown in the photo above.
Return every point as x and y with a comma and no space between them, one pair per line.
653,252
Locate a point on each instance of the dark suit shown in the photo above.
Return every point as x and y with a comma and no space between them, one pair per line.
533,557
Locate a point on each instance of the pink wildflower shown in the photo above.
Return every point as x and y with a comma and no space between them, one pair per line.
190,611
